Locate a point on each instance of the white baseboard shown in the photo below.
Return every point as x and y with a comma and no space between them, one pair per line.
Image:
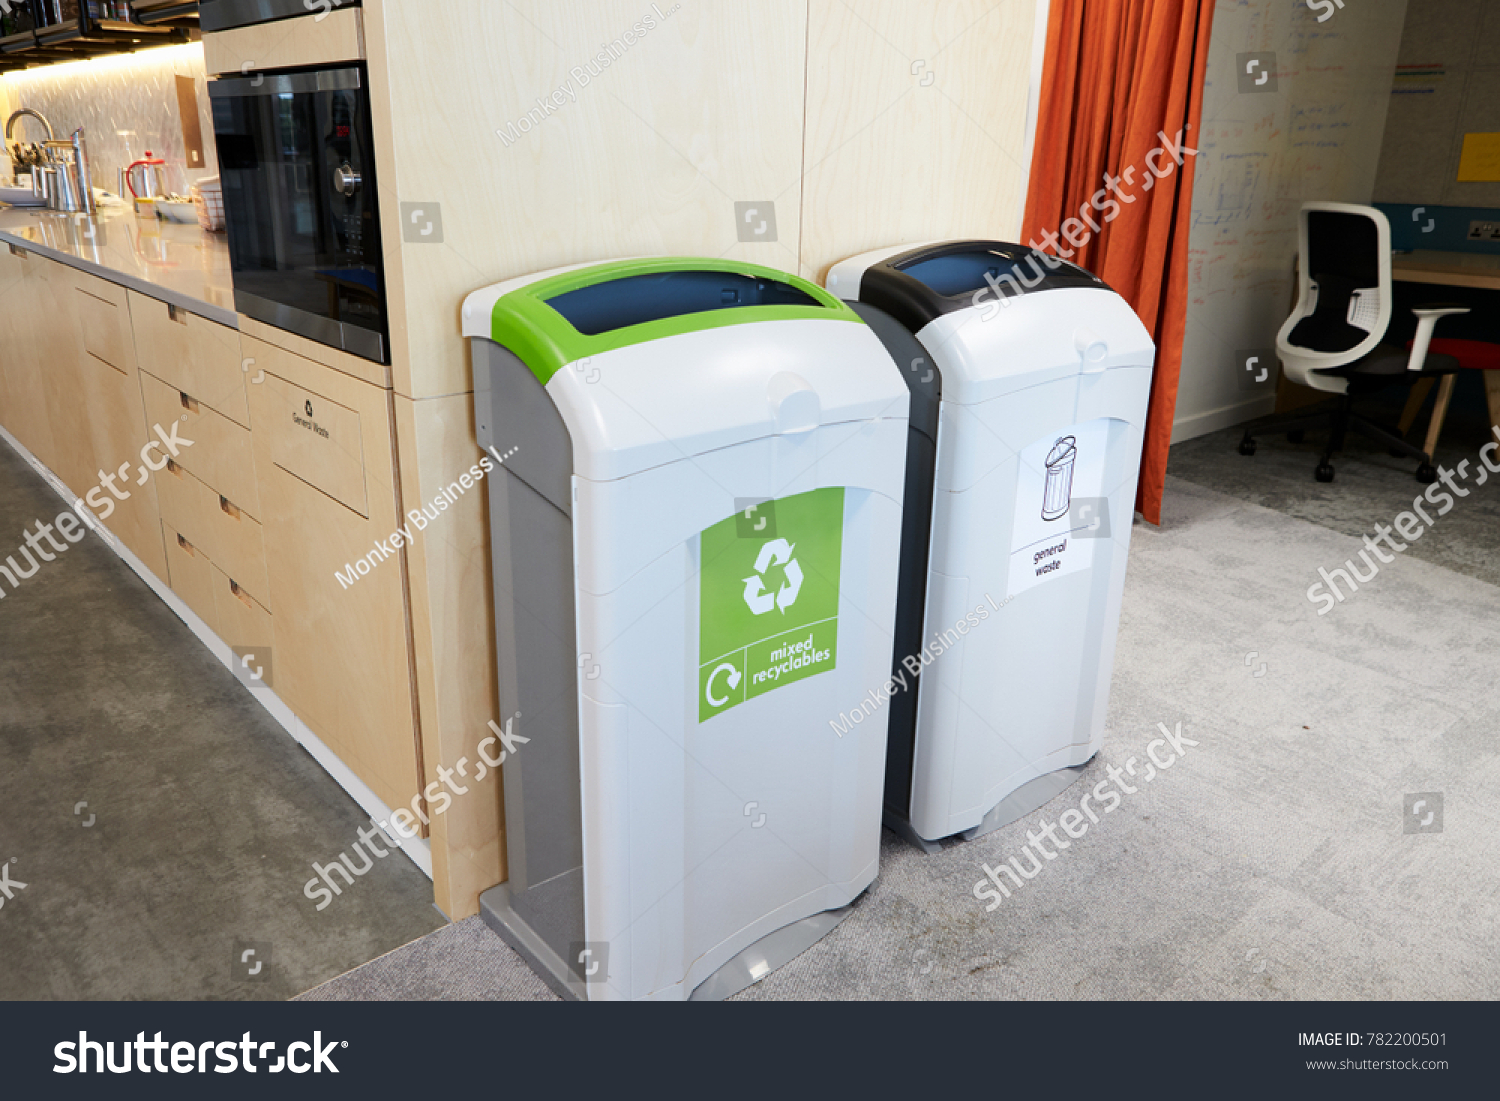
1201,424
418,850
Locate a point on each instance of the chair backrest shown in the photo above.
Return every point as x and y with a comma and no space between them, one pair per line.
1344,300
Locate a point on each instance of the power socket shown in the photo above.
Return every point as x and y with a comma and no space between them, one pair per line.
1484,231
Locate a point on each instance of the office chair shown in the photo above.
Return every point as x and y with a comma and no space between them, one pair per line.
1334,341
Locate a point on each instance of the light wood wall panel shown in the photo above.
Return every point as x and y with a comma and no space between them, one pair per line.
451,600
916,123
651,156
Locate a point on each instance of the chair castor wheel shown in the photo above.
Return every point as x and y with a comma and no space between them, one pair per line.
1324,473
1296,435
1247,446
1427,474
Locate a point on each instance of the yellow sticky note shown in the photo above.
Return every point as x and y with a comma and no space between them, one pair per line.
1481,159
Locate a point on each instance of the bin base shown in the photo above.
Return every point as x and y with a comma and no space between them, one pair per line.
744,970
495,908
767,954
1028,797
903,829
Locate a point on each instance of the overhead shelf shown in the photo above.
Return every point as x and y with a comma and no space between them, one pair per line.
161,24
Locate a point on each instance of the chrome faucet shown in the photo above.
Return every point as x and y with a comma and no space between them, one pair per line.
10,123
18,156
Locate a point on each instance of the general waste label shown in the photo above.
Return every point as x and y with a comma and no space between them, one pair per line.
1049,539
768,606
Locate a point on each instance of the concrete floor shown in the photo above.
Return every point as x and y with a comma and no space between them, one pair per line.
203,815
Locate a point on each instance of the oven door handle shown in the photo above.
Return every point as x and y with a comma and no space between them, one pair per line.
271,84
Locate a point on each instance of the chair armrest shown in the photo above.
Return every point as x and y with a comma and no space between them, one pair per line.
1427,319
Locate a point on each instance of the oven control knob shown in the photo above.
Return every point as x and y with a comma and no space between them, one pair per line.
346,181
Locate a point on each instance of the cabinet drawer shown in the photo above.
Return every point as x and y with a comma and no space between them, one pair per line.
244,623
105,329
191,576
237,546
187,506
312,437
192,355
221,456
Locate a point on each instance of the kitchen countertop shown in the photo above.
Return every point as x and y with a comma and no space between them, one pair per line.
178,264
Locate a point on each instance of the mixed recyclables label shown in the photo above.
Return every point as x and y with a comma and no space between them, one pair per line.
1056,470
768,600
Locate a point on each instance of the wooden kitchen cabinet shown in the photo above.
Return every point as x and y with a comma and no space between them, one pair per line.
243,622
116,431
237,546
191,576
71,456
285,478
342,653
196,356
221,456
23,396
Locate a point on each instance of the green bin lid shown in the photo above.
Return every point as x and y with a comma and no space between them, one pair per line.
553,322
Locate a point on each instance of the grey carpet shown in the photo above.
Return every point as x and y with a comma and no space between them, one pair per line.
206,814
1270,862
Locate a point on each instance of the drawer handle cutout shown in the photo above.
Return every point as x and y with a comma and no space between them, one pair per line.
240,594
188,403
177,314
228,509
22,253
185,545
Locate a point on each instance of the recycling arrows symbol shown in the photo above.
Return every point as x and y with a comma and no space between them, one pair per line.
779,552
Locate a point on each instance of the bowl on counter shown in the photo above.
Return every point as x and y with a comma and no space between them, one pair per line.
181,213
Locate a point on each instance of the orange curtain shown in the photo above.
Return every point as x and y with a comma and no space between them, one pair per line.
1112,180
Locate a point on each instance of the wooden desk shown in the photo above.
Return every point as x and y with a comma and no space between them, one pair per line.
1448,269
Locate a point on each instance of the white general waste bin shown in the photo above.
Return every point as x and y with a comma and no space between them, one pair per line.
683,819
1036,379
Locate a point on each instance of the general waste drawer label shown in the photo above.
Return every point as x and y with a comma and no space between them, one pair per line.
768,599
1049,538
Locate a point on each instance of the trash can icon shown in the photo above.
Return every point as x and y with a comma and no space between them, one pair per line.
1057,498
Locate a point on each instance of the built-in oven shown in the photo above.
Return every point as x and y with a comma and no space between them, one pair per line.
298,171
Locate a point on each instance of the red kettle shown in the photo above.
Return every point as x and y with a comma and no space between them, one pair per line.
154,179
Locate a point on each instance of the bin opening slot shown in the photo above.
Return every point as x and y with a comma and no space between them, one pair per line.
638,299
965,272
